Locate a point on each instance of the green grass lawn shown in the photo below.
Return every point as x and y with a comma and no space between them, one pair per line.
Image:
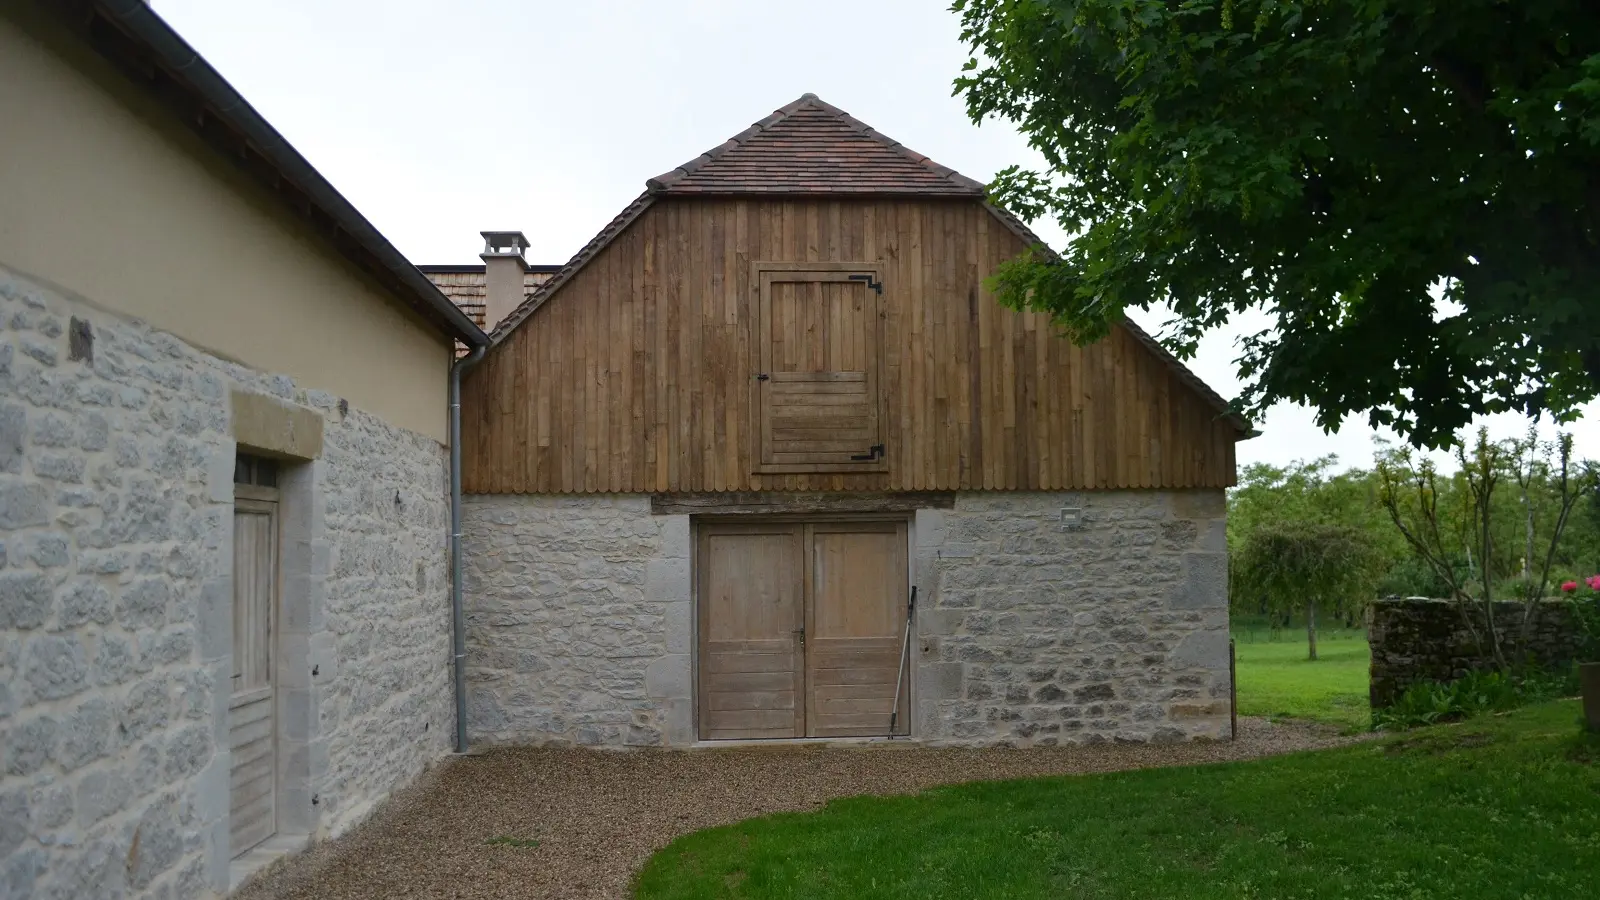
1276,679
1496,807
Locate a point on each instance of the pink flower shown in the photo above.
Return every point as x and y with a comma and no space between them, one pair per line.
1568,587
1594,582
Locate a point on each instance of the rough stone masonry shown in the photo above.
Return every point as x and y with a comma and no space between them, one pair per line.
1416,639
1029,631
115,606
1039,632
579,621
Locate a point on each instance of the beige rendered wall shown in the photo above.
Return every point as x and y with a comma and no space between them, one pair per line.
105,196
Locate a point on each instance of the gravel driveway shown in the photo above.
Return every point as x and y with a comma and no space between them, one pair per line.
598,815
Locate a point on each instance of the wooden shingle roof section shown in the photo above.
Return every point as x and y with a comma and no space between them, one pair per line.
466,285
810,147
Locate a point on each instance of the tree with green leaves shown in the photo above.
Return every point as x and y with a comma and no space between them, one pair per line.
1304,566
1308,492
1410,188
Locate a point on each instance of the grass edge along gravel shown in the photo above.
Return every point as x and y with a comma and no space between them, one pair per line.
1503,805
1277,681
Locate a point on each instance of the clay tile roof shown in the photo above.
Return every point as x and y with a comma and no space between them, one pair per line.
812,147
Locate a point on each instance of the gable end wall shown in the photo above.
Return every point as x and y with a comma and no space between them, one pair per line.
636,373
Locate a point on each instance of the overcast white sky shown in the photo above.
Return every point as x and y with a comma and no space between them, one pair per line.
440,120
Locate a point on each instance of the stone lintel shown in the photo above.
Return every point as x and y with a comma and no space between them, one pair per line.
276,427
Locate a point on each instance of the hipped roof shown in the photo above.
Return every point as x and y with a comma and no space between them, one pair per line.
812,147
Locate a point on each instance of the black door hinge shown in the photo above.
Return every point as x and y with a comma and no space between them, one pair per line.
911,605
873,452
763,377
875,285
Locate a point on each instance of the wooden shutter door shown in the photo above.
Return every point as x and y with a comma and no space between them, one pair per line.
252,725
817,400
858,588
751,621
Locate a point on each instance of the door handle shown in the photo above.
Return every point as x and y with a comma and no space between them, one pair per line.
799,633
873,452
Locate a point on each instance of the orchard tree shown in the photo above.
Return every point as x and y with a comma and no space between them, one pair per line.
1269,498
1294,566
1409,188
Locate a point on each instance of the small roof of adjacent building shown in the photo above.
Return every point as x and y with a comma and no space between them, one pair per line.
467,286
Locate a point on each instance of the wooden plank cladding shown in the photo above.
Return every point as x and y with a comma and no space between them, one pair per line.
638,374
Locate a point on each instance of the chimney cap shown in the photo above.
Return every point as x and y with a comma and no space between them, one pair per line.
504,243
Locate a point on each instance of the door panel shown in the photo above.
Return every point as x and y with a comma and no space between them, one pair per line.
857,628
751,621
818,405
252,706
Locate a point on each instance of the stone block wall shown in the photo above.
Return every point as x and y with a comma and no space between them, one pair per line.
1037,633
387,707
579,621
1416,639
116,606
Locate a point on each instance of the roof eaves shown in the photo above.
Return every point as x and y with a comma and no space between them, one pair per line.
142,31
1240,423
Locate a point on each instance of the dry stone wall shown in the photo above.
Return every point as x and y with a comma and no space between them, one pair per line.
1416,639
115,606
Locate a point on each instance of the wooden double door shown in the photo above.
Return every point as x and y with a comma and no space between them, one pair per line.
801,629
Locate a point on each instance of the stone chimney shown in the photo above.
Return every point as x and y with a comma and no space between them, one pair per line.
503,268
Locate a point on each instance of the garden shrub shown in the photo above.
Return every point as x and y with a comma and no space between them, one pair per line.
1433,702
1586,612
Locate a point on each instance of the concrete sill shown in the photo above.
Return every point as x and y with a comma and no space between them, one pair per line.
264,854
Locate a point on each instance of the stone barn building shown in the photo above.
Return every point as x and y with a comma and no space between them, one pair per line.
712,459
763,461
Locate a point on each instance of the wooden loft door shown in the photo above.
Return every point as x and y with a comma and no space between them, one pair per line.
817,401
802,628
